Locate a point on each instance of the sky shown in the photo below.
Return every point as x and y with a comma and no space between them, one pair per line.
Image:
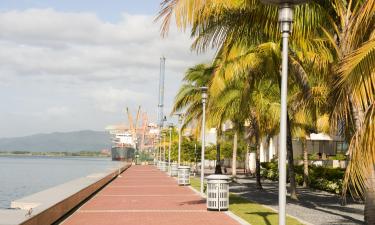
77,64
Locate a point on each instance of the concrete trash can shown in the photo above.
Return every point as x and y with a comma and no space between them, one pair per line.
163,166
174,169
218,192
183,175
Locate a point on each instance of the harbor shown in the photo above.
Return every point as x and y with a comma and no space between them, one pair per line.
187,112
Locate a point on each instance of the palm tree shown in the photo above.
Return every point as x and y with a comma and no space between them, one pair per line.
247,100
189,98
348,25
350,30
265,59
236,23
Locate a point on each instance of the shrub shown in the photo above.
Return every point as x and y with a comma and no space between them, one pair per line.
322,178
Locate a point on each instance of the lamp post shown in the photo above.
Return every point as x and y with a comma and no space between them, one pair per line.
204,99
164,147
170,146
286,20
180,117
159,147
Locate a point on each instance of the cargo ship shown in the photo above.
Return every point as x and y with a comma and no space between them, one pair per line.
124,147
132,139
123,143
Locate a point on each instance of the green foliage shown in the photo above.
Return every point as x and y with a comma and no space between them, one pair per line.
20,152
189,150
322,178
339,156
144,156
227,146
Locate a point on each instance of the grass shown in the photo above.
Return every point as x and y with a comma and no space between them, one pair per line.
196,183
251,212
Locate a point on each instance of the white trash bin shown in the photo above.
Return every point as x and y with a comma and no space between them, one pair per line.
183,175
174,169
158,164
163,166
217,192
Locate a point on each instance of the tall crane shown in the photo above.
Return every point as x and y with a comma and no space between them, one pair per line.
143,130
133,126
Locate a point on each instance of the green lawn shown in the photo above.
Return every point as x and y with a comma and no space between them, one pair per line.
252,212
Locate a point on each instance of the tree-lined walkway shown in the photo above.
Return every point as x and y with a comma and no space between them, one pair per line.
144,195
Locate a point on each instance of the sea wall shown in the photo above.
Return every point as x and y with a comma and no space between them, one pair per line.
48,206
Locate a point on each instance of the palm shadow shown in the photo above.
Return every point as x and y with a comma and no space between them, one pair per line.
264,215
194,202
313,199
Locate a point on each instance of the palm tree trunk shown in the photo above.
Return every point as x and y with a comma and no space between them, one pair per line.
305,165
358,114
257,163
370,198
248,137
234,156
257,166
247,158
218,163
292,175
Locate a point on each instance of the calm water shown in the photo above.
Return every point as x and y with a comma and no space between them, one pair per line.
22,176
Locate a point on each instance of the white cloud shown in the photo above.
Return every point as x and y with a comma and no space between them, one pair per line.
114,100
57,111
84,63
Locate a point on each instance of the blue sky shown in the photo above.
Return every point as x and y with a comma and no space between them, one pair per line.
69,65
106,9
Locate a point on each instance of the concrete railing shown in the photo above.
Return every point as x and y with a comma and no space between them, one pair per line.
48,206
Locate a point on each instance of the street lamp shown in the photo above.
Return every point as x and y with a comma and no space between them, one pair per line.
286,20
164,147
204,99
159,147
180,117
170,146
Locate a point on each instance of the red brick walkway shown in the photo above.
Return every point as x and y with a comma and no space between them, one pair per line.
145,196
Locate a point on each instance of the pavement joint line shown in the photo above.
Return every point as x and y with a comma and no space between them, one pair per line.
140,211
149,195
125,186
91,198
202,212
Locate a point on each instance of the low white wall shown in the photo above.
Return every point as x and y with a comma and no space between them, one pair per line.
328,163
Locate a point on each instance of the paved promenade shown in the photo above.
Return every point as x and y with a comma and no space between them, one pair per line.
143,195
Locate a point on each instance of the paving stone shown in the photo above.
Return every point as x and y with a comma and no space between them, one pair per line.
143,195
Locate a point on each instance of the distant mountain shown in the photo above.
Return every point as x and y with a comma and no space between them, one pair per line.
85,140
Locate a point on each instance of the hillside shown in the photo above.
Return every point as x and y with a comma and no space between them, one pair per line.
85,140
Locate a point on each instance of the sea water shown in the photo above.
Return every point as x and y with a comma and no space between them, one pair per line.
21,176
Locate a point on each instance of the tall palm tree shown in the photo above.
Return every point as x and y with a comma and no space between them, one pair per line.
265,59
244,99
352,36
348,25
225,24
189,96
